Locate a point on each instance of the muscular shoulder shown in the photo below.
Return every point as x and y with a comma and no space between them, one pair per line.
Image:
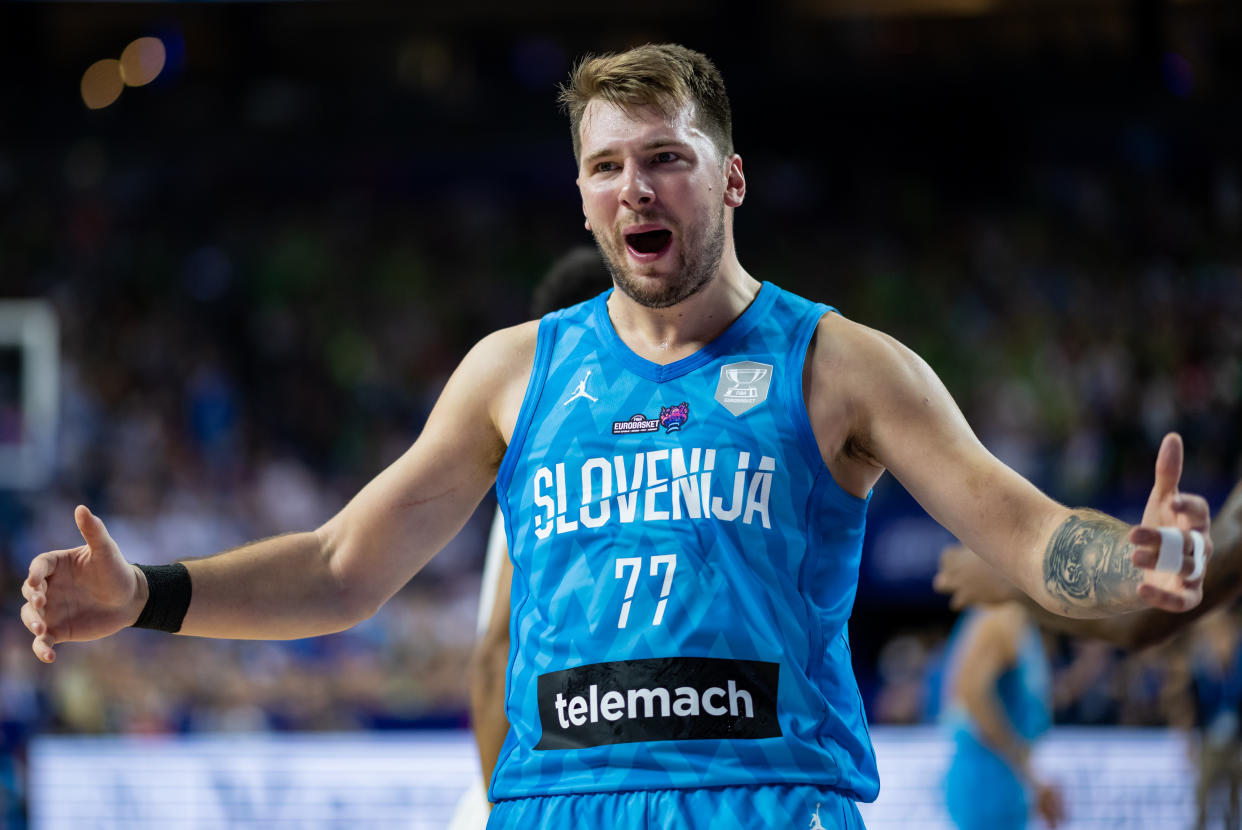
853,374
499,367
871,361
505,349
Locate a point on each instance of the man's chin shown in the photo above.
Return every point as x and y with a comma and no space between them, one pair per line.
659,290
646,291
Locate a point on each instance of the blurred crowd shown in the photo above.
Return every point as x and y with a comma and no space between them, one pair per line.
1094,683
257,317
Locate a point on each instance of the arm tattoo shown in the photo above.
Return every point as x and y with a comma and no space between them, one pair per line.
1088,563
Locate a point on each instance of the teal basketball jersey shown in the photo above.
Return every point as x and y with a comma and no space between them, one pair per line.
1024,689
982,790
684,568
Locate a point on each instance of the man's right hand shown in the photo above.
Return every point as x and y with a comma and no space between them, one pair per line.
84,593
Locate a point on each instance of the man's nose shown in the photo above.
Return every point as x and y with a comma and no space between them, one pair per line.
636,189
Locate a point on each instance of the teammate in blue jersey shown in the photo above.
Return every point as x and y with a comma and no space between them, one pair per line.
997,702
684,464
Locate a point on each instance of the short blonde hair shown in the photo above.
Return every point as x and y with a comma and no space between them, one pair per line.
664,76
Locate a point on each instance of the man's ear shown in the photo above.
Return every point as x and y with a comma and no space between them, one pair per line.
735,181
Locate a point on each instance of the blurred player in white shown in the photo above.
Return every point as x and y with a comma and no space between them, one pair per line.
578,275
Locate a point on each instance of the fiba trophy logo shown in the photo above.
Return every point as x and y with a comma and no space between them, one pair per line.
743,378
743,386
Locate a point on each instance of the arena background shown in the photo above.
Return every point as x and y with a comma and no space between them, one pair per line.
254,273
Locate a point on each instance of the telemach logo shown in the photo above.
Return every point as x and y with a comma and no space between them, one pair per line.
652,703
661,699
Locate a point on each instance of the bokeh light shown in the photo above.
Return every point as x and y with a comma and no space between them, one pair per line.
142,61
102,83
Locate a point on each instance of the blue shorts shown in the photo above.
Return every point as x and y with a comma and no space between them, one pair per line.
715,808
983,793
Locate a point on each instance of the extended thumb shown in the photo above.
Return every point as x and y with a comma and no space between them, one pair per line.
1169,464
91,527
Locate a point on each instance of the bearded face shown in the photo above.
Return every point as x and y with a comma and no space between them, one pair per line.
694,262
653,191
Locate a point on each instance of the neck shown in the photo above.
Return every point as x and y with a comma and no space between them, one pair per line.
665,335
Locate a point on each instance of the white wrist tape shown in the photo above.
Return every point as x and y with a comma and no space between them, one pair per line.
1170,558
1200,562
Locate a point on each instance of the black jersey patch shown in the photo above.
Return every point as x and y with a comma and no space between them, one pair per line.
659,699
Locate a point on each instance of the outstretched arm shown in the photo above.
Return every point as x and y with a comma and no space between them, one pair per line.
317,582
969,580
1076,562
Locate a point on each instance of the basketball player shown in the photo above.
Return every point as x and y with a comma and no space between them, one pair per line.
577,276
970,580
997,696
685,535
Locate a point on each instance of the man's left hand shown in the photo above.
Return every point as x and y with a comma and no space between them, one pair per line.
1169,508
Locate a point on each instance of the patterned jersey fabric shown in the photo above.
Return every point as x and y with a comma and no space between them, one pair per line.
685,566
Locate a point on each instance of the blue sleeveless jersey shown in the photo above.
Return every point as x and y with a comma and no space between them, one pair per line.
684,564
982,790
1024,689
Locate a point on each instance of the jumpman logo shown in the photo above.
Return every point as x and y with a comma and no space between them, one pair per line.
815,824
581,392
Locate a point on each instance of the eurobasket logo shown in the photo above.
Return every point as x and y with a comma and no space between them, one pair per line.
671,419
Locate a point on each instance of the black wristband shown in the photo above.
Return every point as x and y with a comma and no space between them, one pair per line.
168,597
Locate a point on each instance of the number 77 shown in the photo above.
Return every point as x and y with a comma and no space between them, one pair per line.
634,564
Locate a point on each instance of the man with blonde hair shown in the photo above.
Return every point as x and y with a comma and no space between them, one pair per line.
685,535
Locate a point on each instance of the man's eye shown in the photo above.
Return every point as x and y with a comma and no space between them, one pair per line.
666,156
605,167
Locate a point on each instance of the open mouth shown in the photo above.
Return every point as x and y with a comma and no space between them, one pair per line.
649,242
